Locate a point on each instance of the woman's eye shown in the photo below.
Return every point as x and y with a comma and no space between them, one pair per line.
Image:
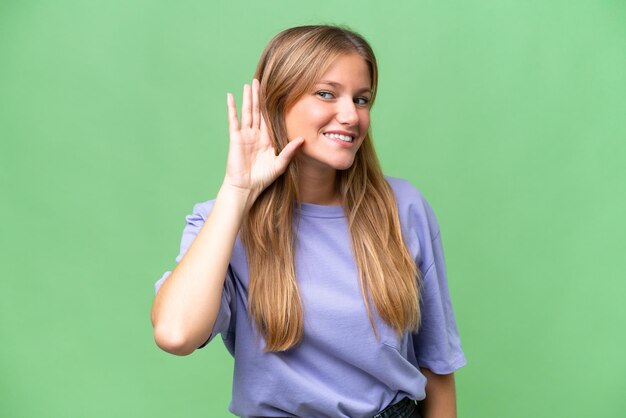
325,94
361,100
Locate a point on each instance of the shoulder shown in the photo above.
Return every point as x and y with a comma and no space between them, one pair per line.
201,210
413,208
405,191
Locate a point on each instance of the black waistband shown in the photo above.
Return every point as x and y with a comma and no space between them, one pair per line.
402,409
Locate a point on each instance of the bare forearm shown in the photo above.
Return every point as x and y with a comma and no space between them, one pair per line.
186,306
440,399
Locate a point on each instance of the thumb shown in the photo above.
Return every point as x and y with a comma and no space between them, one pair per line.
287,154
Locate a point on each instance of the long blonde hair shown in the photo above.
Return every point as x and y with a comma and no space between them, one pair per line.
289,66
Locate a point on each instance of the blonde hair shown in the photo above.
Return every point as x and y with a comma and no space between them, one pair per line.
289,66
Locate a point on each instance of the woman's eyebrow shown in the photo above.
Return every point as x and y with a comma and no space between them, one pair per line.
338,85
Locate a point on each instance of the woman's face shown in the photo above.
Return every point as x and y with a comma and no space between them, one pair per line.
334,116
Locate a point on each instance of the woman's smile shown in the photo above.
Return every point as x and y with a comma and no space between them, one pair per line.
334,117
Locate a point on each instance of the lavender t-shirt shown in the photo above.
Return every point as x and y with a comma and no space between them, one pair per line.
339,369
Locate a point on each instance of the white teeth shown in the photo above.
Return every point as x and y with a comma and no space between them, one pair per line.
345,138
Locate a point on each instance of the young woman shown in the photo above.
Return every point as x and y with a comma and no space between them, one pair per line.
325,278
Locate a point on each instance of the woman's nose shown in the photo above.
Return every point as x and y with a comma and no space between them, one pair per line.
346,113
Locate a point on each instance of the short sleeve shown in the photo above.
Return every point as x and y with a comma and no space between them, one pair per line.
437,343
193,224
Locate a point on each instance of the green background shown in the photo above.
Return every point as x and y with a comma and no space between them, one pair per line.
508,115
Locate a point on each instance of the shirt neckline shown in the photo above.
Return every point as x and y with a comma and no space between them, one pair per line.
320,211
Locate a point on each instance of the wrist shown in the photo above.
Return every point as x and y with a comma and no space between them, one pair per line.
237,197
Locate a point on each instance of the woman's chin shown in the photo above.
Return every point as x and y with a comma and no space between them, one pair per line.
325,164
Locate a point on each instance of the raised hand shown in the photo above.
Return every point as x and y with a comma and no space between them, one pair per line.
252,163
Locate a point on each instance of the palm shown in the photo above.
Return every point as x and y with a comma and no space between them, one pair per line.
252,162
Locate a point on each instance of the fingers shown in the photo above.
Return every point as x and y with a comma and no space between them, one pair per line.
287,154
250,109
255,104
246,107
265,135
233,123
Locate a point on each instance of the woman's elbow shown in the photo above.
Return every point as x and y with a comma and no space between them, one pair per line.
172,342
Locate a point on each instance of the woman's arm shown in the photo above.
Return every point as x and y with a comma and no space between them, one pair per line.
187,304
440,399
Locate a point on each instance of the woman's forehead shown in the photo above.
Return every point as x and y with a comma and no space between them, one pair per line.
347,69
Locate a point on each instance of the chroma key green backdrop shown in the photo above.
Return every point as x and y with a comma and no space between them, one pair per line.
508,115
